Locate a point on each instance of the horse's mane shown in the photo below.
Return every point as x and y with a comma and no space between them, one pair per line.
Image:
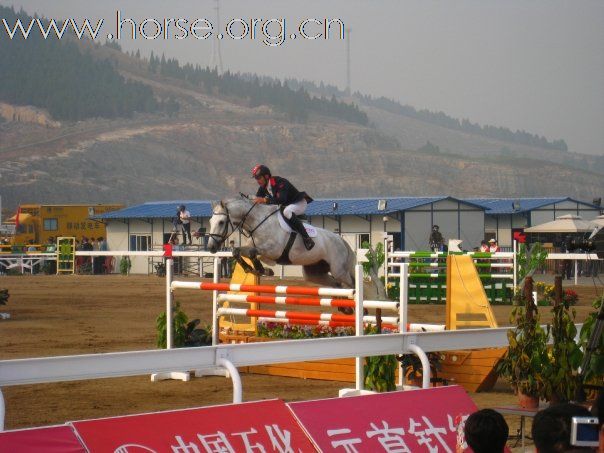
246,203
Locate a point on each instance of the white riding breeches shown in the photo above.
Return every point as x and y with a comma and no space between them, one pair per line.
298,208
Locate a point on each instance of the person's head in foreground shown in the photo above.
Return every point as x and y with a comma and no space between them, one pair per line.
551,429
486,431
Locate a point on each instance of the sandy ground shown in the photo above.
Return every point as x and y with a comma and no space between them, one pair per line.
63,315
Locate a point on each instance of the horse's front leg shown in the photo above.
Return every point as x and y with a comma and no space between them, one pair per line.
238,254
252,254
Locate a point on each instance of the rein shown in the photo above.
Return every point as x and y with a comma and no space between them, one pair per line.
239,227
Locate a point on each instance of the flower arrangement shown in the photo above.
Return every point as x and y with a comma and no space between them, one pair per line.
570,297
279,330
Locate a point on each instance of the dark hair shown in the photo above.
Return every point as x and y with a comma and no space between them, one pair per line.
551,427
486,431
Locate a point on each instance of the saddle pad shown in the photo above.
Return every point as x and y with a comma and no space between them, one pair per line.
311,230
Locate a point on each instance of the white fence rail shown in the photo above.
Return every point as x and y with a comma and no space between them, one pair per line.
118,364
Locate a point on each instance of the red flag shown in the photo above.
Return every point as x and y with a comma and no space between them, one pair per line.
17,219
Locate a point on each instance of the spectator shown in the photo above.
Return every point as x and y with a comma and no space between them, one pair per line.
31,247
176,247
51,246
225,263
493,246
86,266
436,240
552,427
102,244
185,219
484,247
486,431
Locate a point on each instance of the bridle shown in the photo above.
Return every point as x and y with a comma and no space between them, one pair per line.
224,235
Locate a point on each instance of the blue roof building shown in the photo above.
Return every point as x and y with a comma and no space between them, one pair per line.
407,219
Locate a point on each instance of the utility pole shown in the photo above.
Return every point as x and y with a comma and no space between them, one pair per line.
216,57
348,62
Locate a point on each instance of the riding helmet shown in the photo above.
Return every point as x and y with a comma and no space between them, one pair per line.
260,170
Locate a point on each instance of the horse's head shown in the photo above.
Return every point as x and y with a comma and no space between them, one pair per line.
219,226
227,215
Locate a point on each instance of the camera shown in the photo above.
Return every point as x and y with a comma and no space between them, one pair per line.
584,432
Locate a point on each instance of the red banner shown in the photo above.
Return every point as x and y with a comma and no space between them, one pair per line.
263,426
54,439
409,421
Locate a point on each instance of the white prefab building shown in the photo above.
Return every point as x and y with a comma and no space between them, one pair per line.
408,220
505,216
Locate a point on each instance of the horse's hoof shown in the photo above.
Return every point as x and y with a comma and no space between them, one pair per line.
269,272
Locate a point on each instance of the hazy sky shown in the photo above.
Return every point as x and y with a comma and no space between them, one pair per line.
536,65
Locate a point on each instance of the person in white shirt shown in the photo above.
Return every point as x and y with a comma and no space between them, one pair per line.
185,218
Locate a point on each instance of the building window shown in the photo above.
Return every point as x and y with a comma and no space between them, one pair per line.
51,225
140,242
362,238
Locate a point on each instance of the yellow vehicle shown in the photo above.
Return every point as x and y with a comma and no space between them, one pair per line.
38,223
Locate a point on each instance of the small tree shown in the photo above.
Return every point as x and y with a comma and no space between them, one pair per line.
523,363
185,332
593,372
560,371
528,260
379,370
125,265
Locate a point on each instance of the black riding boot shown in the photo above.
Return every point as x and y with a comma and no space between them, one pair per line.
297,225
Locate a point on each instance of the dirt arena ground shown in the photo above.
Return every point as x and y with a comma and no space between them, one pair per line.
64,315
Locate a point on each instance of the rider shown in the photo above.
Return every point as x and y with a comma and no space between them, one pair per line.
277,190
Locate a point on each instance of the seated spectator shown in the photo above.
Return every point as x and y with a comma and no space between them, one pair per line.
493,246
51,247
486,431
484,247
552,428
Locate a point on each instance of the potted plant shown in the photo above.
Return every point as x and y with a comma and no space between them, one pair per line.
186,333
379,371
560,371
592,372
125,265
523,364
413,369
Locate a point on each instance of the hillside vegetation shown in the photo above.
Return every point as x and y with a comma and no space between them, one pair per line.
153,129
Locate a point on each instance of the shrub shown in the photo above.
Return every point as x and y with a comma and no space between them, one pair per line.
186,333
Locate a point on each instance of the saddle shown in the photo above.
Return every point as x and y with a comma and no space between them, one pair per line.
311,230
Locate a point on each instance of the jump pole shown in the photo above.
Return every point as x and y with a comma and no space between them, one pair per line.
358,299
403,301
180,375
224,371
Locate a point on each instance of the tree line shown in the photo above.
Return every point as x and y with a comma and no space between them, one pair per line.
55,75
296,104
519,137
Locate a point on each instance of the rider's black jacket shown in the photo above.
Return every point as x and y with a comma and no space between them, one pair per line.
284,192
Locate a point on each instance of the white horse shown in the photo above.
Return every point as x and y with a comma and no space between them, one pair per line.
265,240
